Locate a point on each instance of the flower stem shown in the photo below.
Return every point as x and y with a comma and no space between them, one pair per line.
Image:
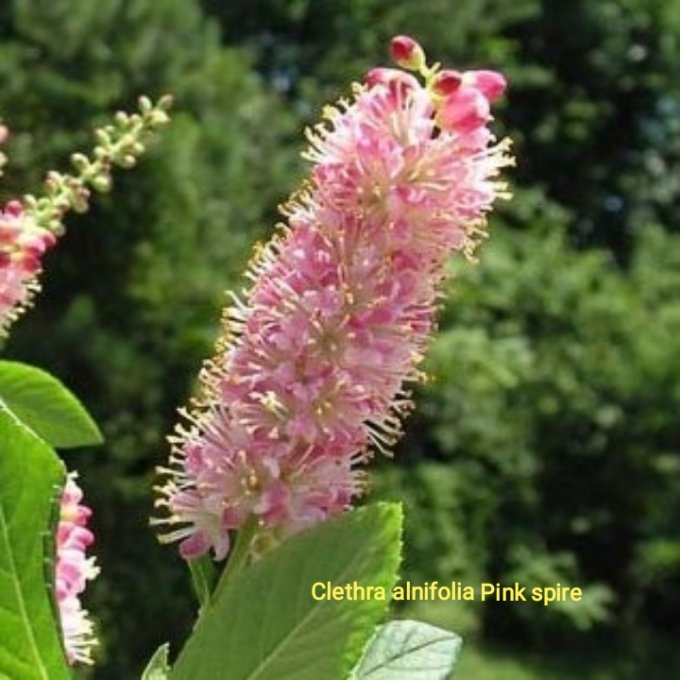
239,555
119,144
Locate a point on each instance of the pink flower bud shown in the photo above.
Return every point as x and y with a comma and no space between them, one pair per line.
490,83
407,53
464,112
29,263
14,209
48,239
446,82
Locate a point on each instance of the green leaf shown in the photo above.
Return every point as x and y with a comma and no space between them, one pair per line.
265,624
158,667
30,476
203,578
46,406
407,650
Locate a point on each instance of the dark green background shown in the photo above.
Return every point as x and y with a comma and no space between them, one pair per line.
547,447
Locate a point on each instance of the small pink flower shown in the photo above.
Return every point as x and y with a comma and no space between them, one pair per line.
22,246
407,53
399,83
73,571
388,76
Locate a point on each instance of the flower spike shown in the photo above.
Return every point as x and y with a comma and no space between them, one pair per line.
28,228
73,571
312,370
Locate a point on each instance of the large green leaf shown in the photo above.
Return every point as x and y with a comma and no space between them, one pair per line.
46,406
158,667
408,650
30,477
265,624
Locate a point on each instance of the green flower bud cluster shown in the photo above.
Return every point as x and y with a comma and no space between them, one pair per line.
119,144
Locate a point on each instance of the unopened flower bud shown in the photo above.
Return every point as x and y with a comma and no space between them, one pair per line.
159,117
127,161
79,201
407,53
102,183
48,239
52,182
464,111
490,83
145,104
446,82
102,137
165,102
14,209
80,161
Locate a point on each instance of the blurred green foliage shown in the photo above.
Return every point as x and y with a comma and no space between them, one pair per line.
554,407
546,447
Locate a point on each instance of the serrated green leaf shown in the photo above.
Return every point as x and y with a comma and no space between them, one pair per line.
30,477
265,625
408,650
158,667
46,406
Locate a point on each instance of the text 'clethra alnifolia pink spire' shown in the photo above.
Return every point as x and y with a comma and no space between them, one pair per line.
311,371
73,570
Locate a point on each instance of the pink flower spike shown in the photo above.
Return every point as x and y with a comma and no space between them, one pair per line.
407,53
73,570
313,371
22,245
490,83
